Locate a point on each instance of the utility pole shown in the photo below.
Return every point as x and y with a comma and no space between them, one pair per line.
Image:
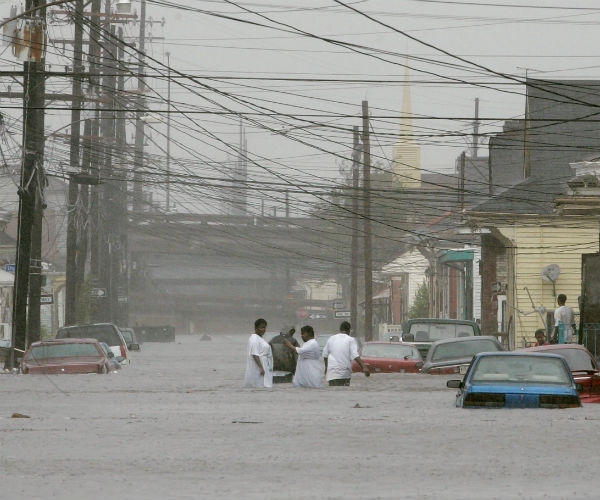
367,223
89,161
461,187
35,266
475,130
96,150
138,201
168,131
106,229
32,166
71,283
354,243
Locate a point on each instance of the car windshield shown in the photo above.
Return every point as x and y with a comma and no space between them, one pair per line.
127,335
521,369
62,351
103,333
466,349
429,332
393,351
577,359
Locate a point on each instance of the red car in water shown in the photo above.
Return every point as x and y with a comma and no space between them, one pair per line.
66,356
389,357
583,366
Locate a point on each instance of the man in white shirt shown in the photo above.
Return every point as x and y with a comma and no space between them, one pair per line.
259,361
308,368
338,354
563,314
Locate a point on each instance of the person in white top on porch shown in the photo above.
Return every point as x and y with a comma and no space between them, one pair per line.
259,361
338,354
564,314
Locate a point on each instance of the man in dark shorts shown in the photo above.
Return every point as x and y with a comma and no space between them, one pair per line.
339,352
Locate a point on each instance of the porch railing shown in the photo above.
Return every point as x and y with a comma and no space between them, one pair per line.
591,338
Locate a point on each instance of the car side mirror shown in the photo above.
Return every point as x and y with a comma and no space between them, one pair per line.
408,337
454,384
579,387
134,347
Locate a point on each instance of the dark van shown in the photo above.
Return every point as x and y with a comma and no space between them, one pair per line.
103,332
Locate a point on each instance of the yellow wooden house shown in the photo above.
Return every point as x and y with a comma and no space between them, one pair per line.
529,258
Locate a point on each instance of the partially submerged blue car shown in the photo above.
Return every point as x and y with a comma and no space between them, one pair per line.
516,380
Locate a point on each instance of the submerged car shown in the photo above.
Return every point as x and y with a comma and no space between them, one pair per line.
455,355
423,332
103,332
389,357
584,368
66,356
114,364
516,380
130,338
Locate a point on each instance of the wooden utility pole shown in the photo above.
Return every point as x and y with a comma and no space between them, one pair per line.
96,150
31,168
367,223
106,303
476,130
71,283
89,162
138,201
354,243
168,131
461,187
120,262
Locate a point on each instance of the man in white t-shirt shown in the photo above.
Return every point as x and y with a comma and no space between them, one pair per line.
564,314
338,354
308,369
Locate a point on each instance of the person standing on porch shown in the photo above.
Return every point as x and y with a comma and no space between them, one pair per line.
564,315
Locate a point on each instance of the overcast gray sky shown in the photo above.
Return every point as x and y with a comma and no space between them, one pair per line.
363,58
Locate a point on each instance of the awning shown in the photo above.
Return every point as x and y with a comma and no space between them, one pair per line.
456,256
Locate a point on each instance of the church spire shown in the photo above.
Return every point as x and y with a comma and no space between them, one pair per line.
406,125
406,152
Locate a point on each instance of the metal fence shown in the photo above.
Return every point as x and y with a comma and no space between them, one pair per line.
591,338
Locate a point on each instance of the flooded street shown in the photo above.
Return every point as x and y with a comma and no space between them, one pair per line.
177,424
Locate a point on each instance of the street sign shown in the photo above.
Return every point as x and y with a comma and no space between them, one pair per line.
317,316
10,268
98,292
338,305
342,314
47,299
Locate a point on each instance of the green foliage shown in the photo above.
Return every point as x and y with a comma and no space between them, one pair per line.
420,307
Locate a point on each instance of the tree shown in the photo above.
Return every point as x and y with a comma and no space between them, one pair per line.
420,307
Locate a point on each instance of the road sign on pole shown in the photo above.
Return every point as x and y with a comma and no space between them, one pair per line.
47,299
98,292
342,314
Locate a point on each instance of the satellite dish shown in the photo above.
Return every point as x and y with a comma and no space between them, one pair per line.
551,273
